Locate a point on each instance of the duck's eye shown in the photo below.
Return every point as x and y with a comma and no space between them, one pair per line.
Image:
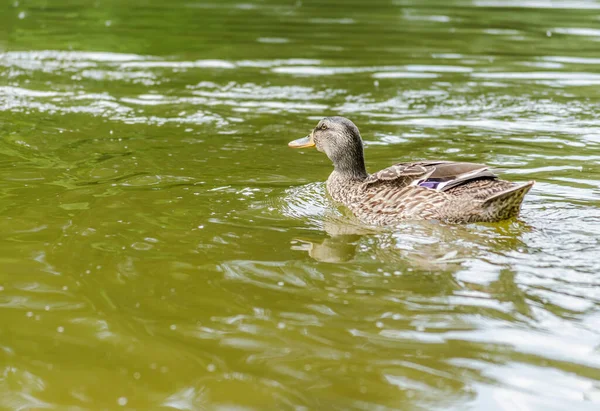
323,127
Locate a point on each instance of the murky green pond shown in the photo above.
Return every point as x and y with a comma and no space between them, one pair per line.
162,248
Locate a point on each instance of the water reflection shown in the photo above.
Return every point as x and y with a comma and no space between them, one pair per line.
426,245
336,249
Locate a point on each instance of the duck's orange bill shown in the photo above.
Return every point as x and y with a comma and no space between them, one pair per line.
302,142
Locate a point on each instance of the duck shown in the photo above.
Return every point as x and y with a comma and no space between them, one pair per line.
452,192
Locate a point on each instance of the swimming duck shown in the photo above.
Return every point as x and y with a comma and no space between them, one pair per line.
420,190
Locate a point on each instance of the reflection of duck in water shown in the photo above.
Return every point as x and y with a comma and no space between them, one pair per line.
330,250
422,245
433,190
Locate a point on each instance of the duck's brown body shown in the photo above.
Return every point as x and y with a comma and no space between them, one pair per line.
394,194
423,190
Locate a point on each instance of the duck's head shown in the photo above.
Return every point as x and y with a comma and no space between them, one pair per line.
340,140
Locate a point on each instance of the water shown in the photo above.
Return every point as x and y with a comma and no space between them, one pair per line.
162,248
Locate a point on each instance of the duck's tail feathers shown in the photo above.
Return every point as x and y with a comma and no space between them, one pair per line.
507,203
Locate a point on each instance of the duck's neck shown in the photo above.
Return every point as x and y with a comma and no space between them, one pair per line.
348,173
351,165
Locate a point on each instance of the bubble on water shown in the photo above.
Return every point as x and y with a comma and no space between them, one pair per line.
379,324
140,246
281,283
137,375
173,327
108,23
22,15
29,314
281,325
122,401
211,367
60,329
47,308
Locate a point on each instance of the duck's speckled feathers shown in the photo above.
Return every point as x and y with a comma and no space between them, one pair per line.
444,190
399,175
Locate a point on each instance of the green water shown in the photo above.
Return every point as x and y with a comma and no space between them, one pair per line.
162,248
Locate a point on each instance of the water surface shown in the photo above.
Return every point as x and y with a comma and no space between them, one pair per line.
162,248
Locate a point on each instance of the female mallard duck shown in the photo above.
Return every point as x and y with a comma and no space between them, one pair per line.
421,190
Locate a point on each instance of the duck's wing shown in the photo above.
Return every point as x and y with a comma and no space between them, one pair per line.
448,174
436,175
399,175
